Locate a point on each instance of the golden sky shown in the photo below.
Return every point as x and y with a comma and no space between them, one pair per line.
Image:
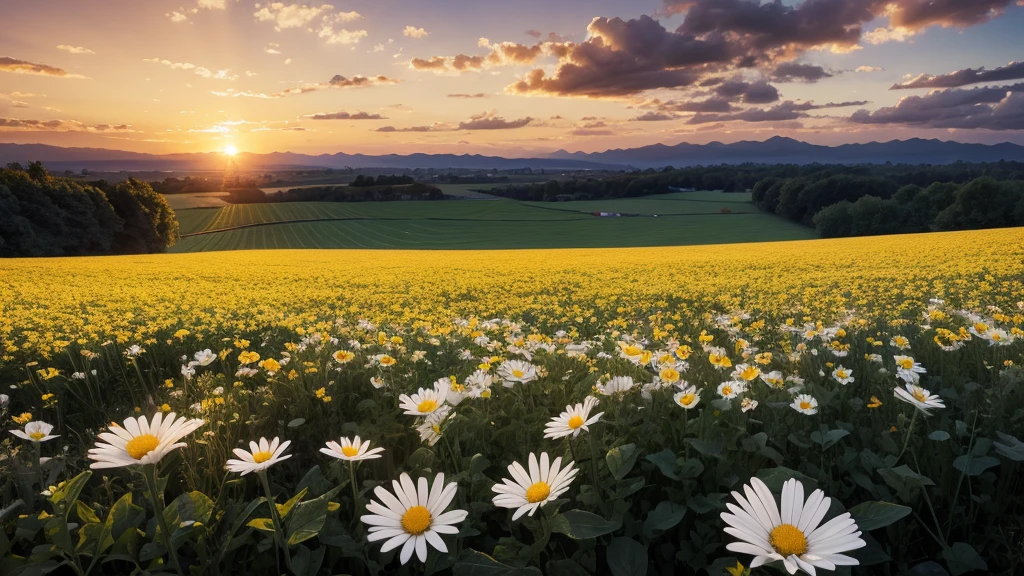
510,78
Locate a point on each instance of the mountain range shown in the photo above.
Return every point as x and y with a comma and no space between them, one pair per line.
777,150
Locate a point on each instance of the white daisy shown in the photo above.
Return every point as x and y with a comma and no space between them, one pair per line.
205,357
748,404
790,534
351,450
805,404
259,457
687,398
617,385
918,397
413,516
573,420
140,441
731,389
528,491
425,401
514,372
37,432
842,375
908,370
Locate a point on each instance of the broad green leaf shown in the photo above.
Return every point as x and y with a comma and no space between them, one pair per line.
306,562
900,475
665,461
86,514
308,518
262,524
1010,447
939,435
566,568
620,460
67,492
706,447
691,468
193,507
664,517
774,478
962,558
315,481
828,439
123,516
284,509
473,563
579,525
627,557
874,515
974,465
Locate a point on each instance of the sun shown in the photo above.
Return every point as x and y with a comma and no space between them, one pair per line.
230,150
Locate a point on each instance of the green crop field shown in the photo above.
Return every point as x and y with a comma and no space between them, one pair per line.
682,219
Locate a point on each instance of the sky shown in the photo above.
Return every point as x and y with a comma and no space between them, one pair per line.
505,78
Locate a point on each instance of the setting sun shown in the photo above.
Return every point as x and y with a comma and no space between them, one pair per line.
230,150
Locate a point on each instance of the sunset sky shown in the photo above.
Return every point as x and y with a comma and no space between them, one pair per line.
510,78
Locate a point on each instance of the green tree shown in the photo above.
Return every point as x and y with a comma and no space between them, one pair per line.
149,223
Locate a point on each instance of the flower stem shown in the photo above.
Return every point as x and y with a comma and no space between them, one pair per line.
149,471
910,430
355,491
278,532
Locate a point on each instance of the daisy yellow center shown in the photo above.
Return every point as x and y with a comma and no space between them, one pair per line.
262,456
805,405
841,373
517,373
575,422
141,445
906,363
980,327
750,373
631,350
387,360
349,451
687,399
537,492
37,435
427,406
416,520
919,395
788,540
727,390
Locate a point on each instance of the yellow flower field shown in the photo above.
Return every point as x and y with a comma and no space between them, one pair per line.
47,303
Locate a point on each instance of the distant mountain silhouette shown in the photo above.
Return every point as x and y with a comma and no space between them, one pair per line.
777,150
781,150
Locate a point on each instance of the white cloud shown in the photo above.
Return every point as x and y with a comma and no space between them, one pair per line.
176,17
869,69
414,32
883,35
290,15
342,36
198,70
272,48
212,4
75,49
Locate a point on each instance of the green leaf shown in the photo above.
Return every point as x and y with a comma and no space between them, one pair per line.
307,563
194,507
315,481
774,478
939,435
123,516
962,558
297,422
1010,448
706,447
67,493
566,568
580,525
975,465
665,461
664,517
308,518
874,515
86,514
900,475
473,563
828,439
691,468
262,524
284,509
627,557
929,568
620,460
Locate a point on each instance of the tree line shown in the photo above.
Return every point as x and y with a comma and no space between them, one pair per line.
743,177
339,193
44,215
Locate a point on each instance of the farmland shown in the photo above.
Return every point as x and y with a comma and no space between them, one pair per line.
672,219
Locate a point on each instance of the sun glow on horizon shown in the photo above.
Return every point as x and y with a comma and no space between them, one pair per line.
230,150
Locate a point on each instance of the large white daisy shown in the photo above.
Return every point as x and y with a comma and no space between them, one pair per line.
918,397
545,482
413,516
573,420
617,385
37,432
351,450
514,372
260,456
424,401
140,441
790,534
